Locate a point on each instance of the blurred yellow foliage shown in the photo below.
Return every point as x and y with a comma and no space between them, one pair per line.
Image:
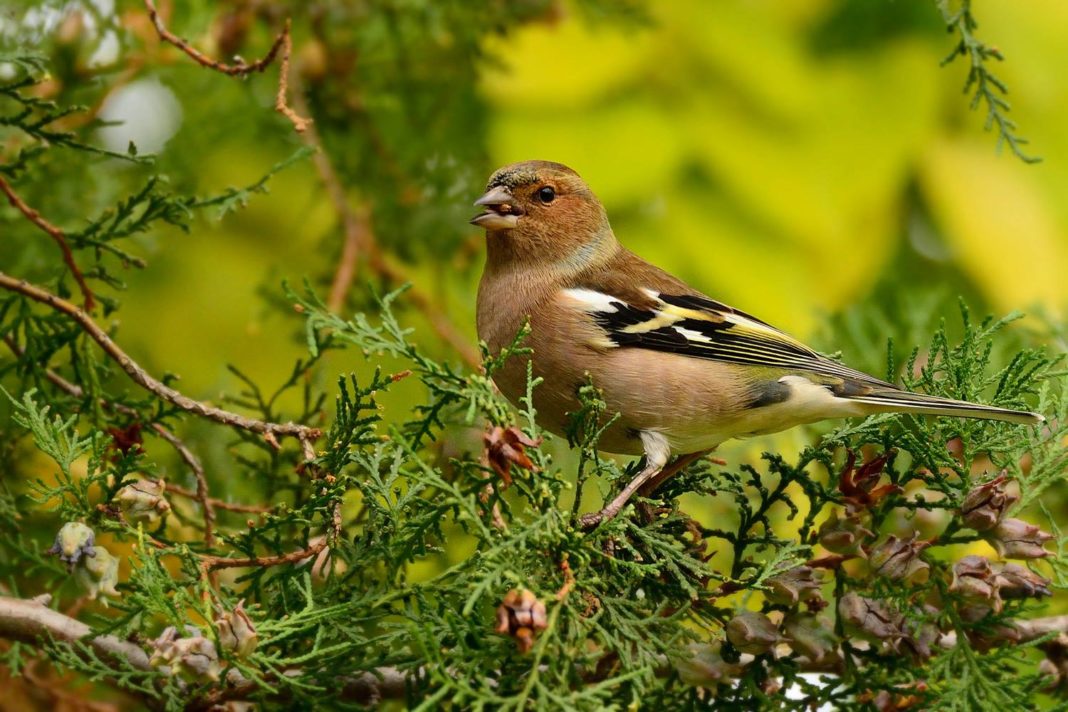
803,161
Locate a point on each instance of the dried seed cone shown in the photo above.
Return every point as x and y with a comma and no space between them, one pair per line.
521,615
752,632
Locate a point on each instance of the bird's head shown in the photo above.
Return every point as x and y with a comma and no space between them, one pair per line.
541,207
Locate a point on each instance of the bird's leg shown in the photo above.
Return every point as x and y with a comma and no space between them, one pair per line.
669,471
657,452
676,466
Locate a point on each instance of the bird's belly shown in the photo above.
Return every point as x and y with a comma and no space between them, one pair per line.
694,404
806,402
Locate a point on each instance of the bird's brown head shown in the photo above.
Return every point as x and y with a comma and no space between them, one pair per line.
540,210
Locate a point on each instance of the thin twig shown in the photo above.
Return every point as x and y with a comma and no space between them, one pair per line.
211,563
207,503
360,239
300,123
356,225
201,495
223,562
237,69
270,431
56,234
220,503
283,44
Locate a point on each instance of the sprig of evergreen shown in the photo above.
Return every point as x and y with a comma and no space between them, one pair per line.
984,86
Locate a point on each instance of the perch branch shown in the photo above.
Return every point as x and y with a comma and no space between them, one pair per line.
270,431
56,234
33,622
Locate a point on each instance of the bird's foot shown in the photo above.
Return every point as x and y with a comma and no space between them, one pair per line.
591,520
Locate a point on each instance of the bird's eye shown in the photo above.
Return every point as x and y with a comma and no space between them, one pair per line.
547,195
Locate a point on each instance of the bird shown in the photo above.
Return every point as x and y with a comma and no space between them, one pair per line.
683,371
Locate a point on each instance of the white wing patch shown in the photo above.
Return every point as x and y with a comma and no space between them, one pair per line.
692,335
592,301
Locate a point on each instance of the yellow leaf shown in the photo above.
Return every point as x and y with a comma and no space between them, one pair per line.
999,222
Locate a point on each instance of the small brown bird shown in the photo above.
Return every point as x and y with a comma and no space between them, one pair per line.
684,372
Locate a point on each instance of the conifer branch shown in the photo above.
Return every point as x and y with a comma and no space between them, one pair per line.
270,431
360,239
56,234
989,89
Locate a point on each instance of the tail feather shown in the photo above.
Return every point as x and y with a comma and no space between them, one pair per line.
897,401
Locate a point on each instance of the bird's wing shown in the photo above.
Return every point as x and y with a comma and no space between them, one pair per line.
703,328
699,327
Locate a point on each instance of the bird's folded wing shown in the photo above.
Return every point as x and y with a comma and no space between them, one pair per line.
702,328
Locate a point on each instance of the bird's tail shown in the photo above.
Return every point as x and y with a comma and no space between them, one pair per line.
896,401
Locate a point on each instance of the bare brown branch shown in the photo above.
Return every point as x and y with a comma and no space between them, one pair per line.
56,234
207,503
282,46
316,547
33,622
300,124
237,69
360,240
220,503
222,562
355,225
270,431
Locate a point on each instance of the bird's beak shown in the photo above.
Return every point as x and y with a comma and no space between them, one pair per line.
499,213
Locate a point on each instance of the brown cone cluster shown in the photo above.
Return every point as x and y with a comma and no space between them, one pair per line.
521,615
